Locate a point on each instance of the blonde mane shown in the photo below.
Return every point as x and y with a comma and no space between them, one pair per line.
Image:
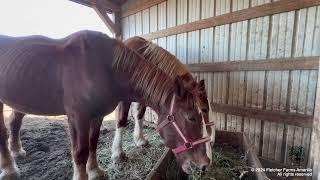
149,81
164,60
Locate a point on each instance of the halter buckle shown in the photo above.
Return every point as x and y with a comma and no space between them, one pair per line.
170,118
188,145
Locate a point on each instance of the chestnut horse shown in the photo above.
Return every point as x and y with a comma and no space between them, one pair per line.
173,67
84,76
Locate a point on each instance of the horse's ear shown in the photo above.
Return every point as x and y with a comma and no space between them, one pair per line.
201,83
179,87
196,78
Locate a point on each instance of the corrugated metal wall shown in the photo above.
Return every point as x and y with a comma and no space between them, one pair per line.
289,34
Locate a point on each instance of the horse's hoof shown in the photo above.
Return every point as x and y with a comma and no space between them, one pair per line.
141,142
96,174
118,157
10,175
19,154
82,176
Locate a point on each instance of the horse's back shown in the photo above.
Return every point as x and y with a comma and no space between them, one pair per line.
37,73
30,74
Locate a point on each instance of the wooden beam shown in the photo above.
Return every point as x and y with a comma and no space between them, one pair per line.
267,115
268,163
105,18
239,138
314,156
298,63
113,6
104,4
160,167
231,137
273,164
117,23
141,6
242,15
253,158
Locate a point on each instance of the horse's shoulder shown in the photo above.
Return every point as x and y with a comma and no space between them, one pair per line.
98,40
73,43
87,45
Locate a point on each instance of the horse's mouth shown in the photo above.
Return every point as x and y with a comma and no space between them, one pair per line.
189,167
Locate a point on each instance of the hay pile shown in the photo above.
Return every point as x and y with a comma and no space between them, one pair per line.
139,161
228,162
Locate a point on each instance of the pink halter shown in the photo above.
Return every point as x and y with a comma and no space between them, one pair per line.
187,144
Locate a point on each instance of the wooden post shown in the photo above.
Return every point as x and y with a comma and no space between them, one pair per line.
105,18
104,4
117,23
314,158
113,26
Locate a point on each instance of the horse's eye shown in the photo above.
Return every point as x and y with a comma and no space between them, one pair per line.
192,119
204,110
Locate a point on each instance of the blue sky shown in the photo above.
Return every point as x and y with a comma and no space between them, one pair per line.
52,18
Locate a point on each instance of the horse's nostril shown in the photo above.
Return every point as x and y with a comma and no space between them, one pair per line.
204,110
211,143
204,168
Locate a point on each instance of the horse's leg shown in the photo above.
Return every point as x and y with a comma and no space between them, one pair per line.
122,119
79,134
8,166
93,169
138,126
14,135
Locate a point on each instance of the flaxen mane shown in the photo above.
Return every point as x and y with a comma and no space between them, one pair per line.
164,60
148,80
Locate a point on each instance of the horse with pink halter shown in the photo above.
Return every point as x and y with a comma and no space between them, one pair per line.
84,76
172,66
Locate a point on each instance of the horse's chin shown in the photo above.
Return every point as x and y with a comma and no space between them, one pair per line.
186,167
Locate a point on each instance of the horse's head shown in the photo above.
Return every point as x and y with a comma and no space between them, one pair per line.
180,125
201,100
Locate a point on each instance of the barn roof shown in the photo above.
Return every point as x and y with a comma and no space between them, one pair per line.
108,5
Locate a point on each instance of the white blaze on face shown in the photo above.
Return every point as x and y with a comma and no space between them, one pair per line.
213,129
205,134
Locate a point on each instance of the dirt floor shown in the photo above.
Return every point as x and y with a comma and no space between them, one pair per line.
48,151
